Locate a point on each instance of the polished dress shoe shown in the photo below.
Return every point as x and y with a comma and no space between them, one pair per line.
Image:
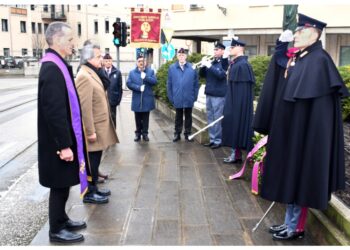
188,139
232,160
277,228
145,137
64,236
75,225
94,198
137,138
208,144
103,192
215,146
177,137
284,235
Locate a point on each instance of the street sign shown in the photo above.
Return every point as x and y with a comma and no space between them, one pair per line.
168,51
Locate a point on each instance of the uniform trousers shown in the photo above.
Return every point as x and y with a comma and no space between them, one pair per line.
215,108
142,121
295,218
95,160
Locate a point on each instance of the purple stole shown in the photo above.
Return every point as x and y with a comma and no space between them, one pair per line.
76,118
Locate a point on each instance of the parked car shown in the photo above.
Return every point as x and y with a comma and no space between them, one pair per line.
2,62
29,59
10,62
19,61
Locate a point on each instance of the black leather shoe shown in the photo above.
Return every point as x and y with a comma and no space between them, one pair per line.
64,236
103,192
75,225
215,146
94,198
284,235
137,138
188,139
177,137
277,228
232,160
208,144
145,137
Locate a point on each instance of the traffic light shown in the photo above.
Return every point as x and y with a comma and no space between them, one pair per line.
117,33
125,34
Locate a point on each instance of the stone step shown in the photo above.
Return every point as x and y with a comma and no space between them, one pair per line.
324,230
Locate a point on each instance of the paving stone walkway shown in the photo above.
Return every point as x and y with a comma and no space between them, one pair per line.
166,193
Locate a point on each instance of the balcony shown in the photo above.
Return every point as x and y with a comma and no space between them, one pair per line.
53,16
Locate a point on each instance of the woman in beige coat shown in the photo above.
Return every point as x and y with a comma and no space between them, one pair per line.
97,120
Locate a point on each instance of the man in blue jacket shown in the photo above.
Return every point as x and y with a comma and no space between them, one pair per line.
182,89
115,89
140,81
215,89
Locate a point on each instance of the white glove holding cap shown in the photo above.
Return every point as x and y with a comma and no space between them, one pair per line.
142,88
143,75
286,36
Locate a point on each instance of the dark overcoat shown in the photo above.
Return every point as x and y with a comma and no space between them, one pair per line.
134,83
115,88
55,131
305,150
237,129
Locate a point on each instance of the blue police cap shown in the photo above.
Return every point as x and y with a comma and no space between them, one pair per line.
237,42
219,45
306,21
139,55
181,50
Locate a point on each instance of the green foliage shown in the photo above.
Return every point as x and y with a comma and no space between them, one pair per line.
259,65
259,154
345,74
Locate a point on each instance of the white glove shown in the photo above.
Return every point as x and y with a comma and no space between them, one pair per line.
207,64
143,75
286,36
226,54
142,88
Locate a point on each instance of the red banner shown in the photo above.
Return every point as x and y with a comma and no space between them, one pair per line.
145,30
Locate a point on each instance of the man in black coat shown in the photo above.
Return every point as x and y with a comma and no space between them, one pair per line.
115,89
299,109
237,131
57,144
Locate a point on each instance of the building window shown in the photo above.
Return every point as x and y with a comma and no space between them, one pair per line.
32,7
4,25
106,50
95,5
107,26
46,8
67,7
79,7
196,7
23,27
79,29
40,53
24,52
45,26
250,51
344,55
33,27
96,27
6,52
39,28
271,50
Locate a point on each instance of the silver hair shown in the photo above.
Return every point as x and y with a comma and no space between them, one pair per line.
87,52
55,28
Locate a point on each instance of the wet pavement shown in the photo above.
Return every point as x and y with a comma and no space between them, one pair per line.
166,193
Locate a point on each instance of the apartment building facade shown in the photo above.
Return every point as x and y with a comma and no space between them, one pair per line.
195,27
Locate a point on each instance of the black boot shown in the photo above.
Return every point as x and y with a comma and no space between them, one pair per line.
137,137
177,137
145,137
